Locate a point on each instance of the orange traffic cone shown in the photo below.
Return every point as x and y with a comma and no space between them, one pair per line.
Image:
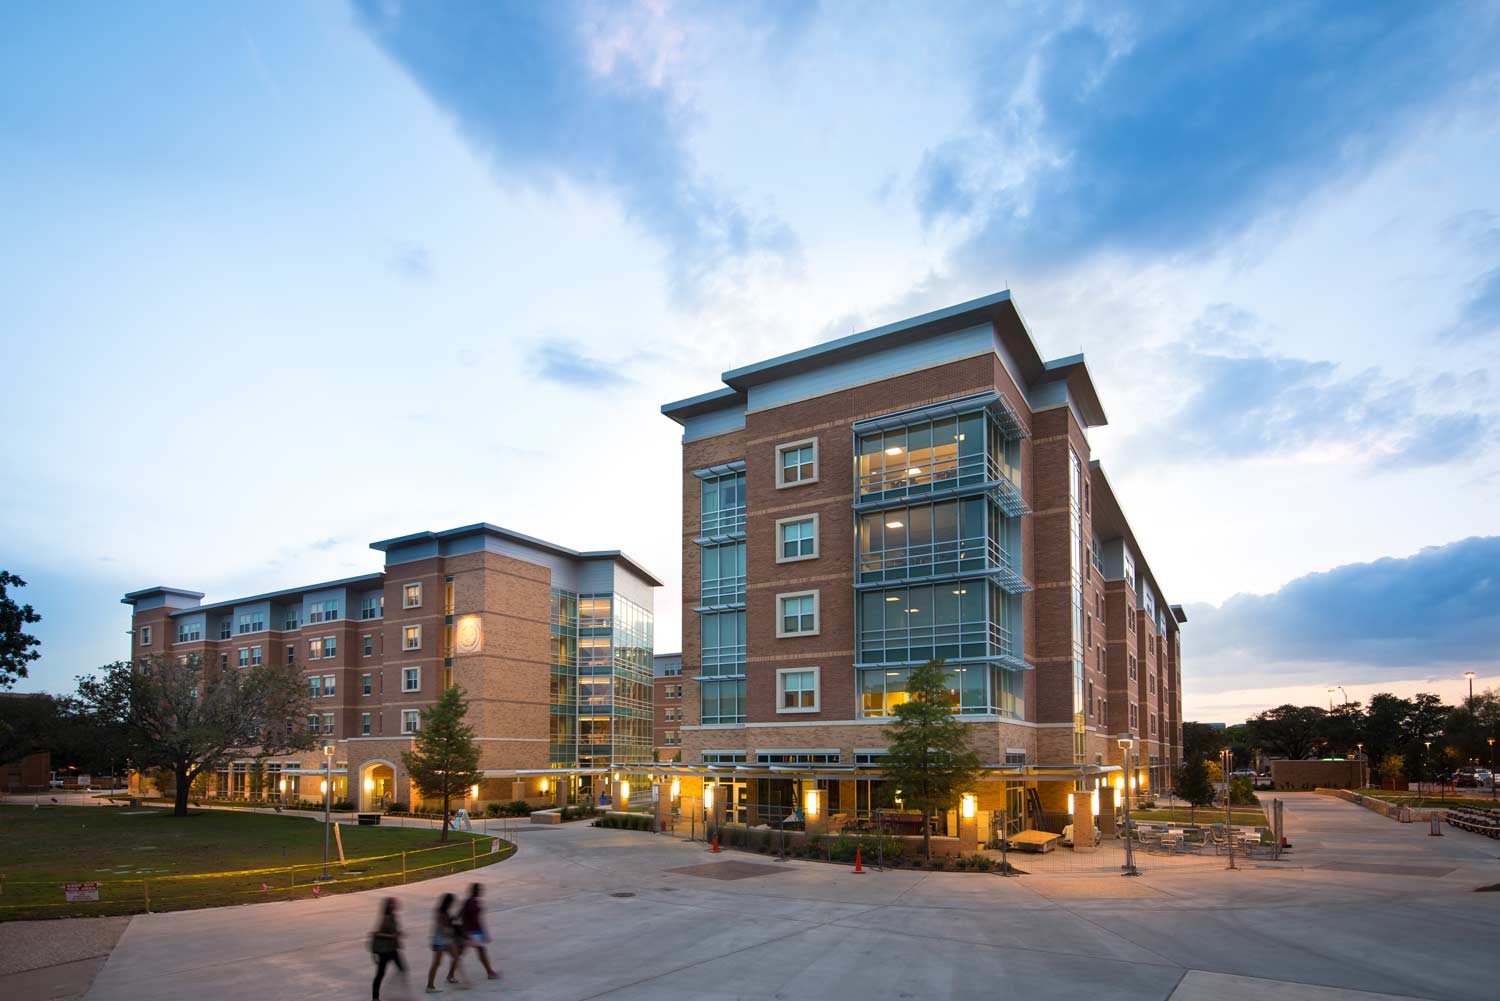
858,862
715,848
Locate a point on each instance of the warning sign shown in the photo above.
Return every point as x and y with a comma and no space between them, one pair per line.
81,891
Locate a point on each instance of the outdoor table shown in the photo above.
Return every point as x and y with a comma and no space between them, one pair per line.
1034,841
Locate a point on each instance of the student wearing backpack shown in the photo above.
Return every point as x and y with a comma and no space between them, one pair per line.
385,945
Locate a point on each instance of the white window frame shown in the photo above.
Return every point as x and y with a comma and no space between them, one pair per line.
367,645
781,483
405,646
816,536
817,690
415,716
256,656
366,685
145,635
315,686
817,612
410,604
315,648
330,685
243,660
327,724
364,724
415,688
330,646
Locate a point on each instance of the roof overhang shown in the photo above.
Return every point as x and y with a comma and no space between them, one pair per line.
1075,373
134,596
485,528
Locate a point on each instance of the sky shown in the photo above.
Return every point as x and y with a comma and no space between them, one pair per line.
279,280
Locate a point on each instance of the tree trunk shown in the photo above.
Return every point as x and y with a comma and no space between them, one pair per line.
180,793
927,835
445,817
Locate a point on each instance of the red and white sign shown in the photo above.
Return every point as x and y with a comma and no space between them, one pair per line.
81,891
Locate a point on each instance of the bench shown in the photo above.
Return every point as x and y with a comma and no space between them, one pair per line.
1034,841
369,819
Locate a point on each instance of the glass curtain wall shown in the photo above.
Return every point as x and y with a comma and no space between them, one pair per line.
563,737
721,612
1077,559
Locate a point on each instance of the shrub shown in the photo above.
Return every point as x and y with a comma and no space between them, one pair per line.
517,808
815,844
1242,791
395,808
765,841
344,805
492,810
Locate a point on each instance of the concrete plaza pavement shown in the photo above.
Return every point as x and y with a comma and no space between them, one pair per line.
1362,905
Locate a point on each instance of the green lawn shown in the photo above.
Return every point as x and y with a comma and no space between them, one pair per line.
149,854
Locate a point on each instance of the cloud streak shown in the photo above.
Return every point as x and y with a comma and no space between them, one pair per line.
560,362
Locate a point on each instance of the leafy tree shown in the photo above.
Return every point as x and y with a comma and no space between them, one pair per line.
1194,785
1391,769
927,756
1343,728
1428,713
1385,725
1215,772
1288,731
17,647
444,759
1199,740
28,723
178,716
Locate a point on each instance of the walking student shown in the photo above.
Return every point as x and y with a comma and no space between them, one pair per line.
471,922
385,945
446,940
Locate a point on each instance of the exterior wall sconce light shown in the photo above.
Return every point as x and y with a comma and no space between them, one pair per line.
625,792
967,805
676,788
473,792
545,785
810,803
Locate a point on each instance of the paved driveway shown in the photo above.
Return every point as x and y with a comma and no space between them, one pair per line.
581,913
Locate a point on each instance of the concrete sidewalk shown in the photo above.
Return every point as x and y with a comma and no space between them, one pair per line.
585,913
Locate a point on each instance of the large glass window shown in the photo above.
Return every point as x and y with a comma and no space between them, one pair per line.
922,457
723,504
724,574
723,643
918,624
723,701
924,540
973,689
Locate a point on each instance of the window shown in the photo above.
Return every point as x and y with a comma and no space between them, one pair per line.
817,757
722,702
315,648
797,690
723,580
145,635
370,607
323,611
364,724
252,622
224,660
1134,716
722,504
797,538
1091,699
191,632
328,685
723,757
226,628
411,596
797,463
1153,724
448,596
723,643
366,684
411,637
1130,666
291,653
797,614
1015,757
328,724
330,646
244,656
411,679
369,645
255,656
952,621
292,621
1151,683
411,720
315,687
312,722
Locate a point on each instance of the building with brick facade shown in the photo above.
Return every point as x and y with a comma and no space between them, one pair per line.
920,491
553,648
669,712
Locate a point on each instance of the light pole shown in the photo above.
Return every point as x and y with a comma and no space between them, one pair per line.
1470,676
1364,769
327,800
1426,756
1129,780
1228,785
1492,767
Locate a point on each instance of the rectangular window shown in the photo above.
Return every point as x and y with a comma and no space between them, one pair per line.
411,596
224,660
722,702
323,611
411,719
722,504
328,724
411,637
797,614
244,654
291,653
797,538
369,645
226,628
411,679
925,456
328,685
952,621
1130,663
1134,716
366,684
797,463
369,606
315,648
1091,699
292,621
797,690
723,581
145,635
364,724
255,656
191,633
315,687
330,646
448,596
312,722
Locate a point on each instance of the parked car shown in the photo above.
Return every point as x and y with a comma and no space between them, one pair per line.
1473,778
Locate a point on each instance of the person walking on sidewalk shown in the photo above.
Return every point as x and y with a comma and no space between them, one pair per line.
471,922
446,940
385,945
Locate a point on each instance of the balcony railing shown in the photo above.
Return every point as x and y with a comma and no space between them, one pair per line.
942,477
978,554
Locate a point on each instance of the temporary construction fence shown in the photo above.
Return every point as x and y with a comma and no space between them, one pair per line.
25,898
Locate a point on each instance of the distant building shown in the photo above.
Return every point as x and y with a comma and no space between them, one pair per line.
669,693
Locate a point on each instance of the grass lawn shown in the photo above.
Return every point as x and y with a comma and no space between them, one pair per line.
134,855
1247,816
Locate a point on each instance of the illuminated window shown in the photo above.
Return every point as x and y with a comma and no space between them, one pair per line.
328,724
411,596
411,637
411,720
797,463
315,648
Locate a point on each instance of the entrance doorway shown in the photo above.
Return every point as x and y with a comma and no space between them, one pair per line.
377,786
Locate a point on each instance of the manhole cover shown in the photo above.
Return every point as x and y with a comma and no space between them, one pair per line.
622,894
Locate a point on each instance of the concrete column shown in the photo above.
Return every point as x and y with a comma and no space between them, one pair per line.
662,794
517,789
1107,825
1083,822
968,833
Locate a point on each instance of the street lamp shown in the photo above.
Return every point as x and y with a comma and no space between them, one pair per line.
1426,758
327,801
1470,676
1228,830
1330,700
1492,767
1127,783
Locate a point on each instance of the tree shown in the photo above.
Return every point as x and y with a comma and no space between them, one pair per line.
1193,784
178,716
17,647
28,723
928,757
1343,728
444,759
1288,731
1390,769
1199,740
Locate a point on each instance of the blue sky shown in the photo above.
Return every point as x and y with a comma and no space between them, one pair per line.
279,280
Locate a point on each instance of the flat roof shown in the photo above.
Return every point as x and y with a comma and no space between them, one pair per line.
134,596
283,593
997,309
485,528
